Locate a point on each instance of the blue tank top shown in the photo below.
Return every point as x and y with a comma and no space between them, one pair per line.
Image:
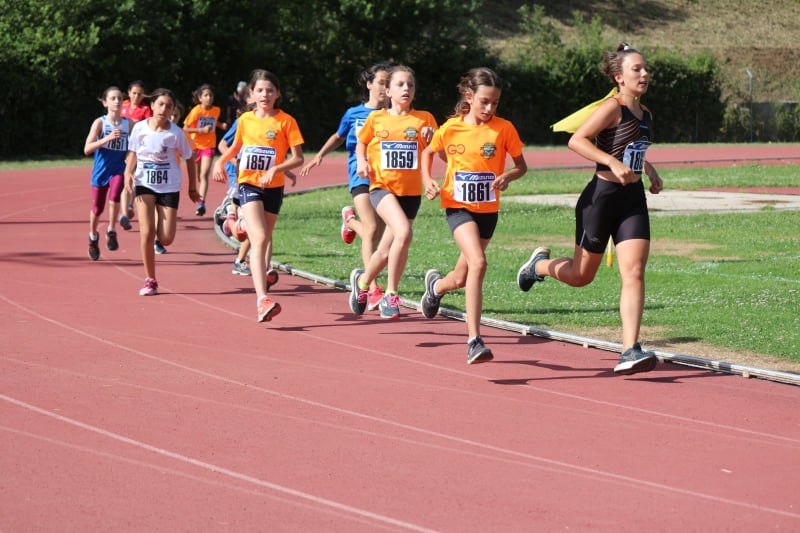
109,159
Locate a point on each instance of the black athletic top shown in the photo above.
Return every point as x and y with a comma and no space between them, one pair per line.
615,140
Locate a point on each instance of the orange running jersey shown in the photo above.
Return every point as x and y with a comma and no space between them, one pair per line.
393,147
199,118
476,155
265,143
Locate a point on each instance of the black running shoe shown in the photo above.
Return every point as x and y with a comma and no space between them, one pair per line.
635,360
94,248
477,352
430,302
111,240
527,275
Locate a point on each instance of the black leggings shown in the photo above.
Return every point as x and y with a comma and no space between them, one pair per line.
607,209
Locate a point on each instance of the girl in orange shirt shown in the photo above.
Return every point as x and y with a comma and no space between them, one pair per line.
476,143
392,140
201,124
264,136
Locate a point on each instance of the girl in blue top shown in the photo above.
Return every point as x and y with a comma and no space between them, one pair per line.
108,141
368,226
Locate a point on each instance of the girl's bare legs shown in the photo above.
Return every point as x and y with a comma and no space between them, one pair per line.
125,201
145,205
113,213
580,271
632,259
244,248
468,272
259,232
576,272
166,224
368,226
202,177
398,226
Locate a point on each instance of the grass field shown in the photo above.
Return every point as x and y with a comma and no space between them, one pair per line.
718,284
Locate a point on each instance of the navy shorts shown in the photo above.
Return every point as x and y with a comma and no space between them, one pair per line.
272,197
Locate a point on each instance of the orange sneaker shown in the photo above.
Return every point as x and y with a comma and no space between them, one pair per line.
267,309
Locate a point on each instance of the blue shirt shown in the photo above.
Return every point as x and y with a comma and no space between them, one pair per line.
349,126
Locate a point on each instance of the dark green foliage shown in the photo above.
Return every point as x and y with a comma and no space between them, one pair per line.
58,57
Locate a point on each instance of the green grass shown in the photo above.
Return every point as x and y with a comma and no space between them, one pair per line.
727,280
687,179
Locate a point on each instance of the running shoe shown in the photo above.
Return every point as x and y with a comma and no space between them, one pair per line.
111,240
240,230
477,352
635,360
374,297
230,220
221,212
150,287
201,209
430,302
158,247
527,275
390,307
272,278
94,248
348,235
267,309
125,222
240,268
358,296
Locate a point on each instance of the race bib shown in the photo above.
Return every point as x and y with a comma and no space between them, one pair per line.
155,173
120,144
202,122
399,155
474,187
260,158
634,155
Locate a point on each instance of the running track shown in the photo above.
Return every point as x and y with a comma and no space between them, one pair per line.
179,413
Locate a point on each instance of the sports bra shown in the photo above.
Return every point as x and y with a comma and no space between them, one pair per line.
614,141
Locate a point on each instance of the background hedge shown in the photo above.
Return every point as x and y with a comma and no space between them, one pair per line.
59,56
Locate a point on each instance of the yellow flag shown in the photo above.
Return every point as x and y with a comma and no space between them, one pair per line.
573,122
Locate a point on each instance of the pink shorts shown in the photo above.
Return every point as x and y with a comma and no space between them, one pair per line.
205,152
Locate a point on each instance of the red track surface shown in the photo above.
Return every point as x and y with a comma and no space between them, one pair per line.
180,413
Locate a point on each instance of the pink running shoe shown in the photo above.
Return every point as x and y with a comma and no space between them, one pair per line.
240,230
229,221
348,235
374,297
150,287
267,309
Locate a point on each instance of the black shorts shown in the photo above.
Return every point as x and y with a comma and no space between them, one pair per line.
358,190
409,204
486,222
166,199
607,209
271,197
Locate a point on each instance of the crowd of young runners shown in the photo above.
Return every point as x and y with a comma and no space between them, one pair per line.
391,146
